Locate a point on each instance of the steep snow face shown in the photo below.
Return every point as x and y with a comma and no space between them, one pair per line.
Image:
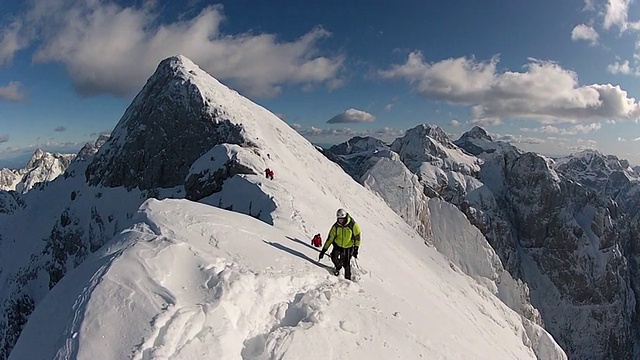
41,168
390,179
188,280
468,249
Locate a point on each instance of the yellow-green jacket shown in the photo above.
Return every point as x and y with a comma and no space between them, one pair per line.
344,236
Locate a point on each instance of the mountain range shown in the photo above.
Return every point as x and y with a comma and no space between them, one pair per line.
164,240
566,228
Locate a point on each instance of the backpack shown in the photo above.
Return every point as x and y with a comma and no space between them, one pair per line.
316,241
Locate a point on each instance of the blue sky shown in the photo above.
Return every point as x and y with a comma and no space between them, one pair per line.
553,77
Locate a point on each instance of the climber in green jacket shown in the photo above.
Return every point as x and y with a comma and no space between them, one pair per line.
345,237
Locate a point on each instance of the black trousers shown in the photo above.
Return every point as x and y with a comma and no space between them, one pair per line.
341,257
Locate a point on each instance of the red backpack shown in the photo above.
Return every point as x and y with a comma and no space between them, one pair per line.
317,241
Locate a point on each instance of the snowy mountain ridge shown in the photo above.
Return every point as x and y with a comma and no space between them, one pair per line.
131,277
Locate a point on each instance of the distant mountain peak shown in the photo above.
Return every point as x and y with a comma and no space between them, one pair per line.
476,133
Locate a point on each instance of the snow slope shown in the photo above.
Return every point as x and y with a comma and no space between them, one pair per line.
190,280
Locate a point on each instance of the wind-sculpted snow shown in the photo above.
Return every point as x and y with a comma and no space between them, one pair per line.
190,281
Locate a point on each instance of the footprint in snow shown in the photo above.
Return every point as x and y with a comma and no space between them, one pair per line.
349,326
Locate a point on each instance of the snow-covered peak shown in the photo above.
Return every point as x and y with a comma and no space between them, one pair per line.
358,144
476,133
42,167
430,144
477,142
596,170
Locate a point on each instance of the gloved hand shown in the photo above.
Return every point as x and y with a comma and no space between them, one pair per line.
321,255
355,252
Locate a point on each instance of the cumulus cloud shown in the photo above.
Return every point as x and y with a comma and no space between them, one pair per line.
388,107
585,32
12,92
544,91
624,68
352,116
60,129
619,68
455,122
4,138
108,48
621,139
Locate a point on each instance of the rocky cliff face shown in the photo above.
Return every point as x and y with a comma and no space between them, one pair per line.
566,241
445,171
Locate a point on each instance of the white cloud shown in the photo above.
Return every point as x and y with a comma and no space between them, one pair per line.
108,48
620,68
10,42
352,116
589,5
385,132
617,14
12,92
486,121
585,32
544,91
388,107
636,139
455,122
519,139
621,139
573,130
4,138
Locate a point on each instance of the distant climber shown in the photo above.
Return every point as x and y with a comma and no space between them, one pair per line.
345,238
317,240
268,173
